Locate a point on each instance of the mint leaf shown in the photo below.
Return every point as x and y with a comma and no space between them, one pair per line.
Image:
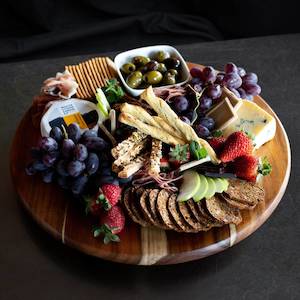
197,151
113,91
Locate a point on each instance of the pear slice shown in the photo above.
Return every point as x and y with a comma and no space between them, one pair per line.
202,189
102,104
226,184
189,186
211,188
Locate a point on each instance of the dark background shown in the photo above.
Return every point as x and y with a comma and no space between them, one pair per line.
48,33
33,29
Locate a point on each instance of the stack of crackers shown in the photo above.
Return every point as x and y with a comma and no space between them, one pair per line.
159,208
92,74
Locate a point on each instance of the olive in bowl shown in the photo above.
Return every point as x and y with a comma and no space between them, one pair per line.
158,66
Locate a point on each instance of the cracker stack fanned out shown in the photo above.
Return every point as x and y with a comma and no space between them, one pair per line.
92,74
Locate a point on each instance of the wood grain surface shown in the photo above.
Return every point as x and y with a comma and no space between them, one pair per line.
55,211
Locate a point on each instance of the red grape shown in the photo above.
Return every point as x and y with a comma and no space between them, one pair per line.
252,88
230,68
232,80
214,91
196,72
209,74
250,78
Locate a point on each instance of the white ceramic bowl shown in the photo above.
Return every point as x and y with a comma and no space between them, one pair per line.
127,56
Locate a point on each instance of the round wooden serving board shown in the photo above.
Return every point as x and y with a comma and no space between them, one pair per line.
57,214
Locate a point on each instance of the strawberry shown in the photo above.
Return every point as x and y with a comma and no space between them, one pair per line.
179,154
237,144
246,167
109,195
92,206
164,164
217,143
112,222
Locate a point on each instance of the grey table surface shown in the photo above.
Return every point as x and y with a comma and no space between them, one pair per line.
264,266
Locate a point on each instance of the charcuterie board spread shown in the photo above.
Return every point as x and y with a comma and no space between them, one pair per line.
149,159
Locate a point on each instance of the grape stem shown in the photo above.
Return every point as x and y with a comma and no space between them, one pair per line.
65,131
198,96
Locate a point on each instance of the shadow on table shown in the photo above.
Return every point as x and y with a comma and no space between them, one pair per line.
107,273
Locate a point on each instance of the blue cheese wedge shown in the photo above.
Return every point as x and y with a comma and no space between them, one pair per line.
255,121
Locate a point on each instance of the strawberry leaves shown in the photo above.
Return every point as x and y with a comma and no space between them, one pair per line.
179,153
107,231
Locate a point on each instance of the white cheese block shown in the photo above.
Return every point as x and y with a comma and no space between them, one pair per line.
255,121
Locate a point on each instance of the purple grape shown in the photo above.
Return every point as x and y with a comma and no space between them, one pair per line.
63,182
79,184
219,78
50,158
89,133
250,78
196,72
180,104
205,103
48,144
74,132
235,92
195,80
75,168
95,143
232,80
198,87
30,170
36,153
39,166
56,134
185,119
209,74
207,122
214,91
48,175
230,68
80,152
242,92
92,164
67,148
241,71
252,88
189,114
202,131
61,168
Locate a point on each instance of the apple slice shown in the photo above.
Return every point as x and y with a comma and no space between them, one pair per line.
226,184
211,188
202,189
189,186
221,185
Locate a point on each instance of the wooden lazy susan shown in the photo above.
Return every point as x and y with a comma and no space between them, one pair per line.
56,213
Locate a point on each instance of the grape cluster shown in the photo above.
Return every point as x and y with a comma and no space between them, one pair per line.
72,159
209,83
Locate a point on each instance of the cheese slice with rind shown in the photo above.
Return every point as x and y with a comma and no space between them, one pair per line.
255,121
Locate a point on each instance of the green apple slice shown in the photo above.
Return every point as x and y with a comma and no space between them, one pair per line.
220,185
211,188
189,186
226,184
202,189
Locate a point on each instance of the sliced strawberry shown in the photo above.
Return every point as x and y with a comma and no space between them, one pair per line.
236,145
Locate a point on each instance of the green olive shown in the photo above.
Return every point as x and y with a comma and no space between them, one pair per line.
128,68
140,60
173,72
169,79
160,56
153,77
134,79
162,68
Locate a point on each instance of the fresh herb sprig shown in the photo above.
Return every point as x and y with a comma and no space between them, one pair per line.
113,91
265,168
197,151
